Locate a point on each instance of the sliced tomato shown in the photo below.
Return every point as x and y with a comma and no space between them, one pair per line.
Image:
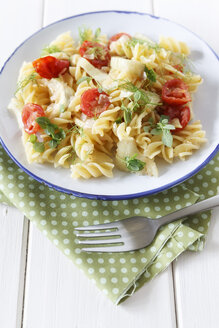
117,36
49,66
29,114
95,53
180,112
175,92
93,102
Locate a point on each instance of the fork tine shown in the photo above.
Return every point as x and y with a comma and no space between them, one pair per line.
99,241
106,249
99,234
109,225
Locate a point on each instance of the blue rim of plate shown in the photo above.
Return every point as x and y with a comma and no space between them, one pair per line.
109,197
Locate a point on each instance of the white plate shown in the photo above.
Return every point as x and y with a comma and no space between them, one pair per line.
123,185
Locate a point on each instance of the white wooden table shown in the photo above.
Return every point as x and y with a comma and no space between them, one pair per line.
39,287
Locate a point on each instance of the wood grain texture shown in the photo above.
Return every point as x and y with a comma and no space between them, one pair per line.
197,285
56,9
200,16
13,237
18,20
15,26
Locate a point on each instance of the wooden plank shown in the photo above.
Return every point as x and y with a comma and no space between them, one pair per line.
195,275
199,16
57,293
15,26
54,9
13,237
197,285
18,20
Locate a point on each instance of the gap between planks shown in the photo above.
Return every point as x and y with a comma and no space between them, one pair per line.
23,273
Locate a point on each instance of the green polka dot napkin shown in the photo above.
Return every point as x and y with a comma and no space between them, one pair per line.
118,275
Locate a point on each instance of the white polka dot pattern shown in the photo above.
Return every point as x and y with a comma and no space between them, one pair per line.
56,215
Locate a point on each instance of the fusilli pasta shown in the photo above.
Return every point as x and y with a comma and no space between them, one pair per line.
99,103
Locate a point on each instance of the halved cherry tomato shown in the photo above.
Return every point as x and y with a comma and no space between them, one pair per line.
180,112
93,102
175,92
29,114
95,53
49,66
117,36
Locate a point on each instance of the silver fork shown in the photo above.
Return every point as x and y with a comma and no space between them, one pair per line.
135,232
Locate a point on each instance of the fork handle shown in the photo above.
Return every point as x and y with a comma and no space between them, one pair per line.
189,210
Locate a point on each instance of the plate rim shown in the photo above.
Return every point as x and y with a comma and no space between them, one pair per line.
110,197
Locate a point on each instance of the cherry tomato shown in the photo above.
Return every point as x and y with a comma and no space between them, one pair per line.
180,112
93,102
175,92
49,66
29,114
95,53
117,37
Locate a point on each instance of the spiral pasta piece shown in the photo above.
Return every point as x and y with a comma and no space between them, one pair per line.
121,131
65,43
83,146
97,164
105,121
95,170
172,44
76,70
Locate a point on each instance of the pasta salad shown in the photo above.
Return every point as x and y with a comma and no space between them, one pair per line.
101,103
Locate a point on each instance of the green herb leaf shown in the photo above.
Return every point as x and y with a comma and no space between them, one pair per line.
43,122
169,127
134,164
57,134
84,78
75,129
167,138
53,143
146,128
39,147
127,114
84,34
22,84
49,50
164,128
33,138
137,95
118,120
140,96
164,118
151,45
156,131
151,75
62,108
97,34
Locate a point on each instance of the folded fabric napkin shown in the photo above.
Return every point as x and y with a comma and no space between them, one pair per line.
118,275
